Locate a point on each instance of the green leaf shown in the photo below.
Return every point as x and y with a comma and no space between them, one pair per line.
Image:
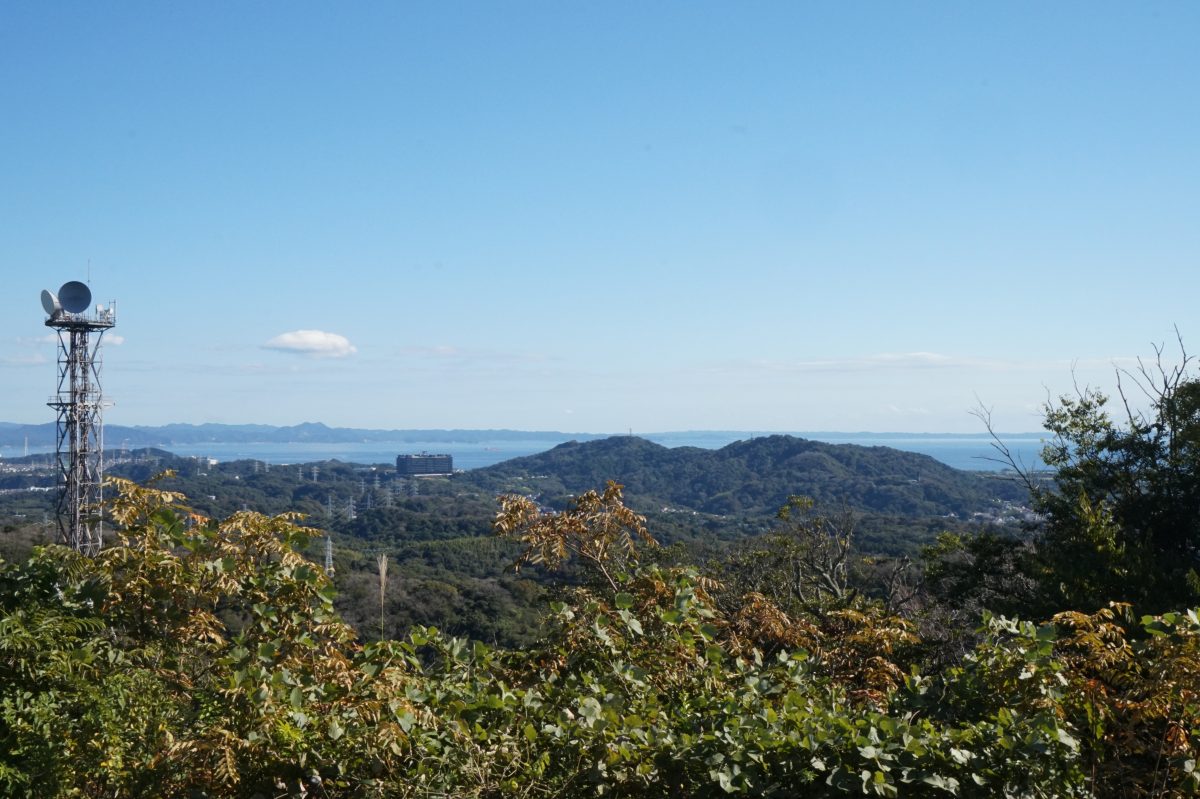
589,709
631,621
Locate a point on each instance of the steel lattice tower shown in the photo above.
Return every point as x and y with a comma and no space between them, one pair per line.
79,404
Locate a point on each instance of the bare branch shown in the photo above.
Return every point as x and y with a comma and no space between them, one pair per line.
1124,399
1006,457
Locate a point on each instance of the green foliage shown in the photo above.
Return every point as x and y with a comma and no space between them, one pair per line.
1121,519
805,563
597,528
1136,682
965,576
446,568
203,658
192,656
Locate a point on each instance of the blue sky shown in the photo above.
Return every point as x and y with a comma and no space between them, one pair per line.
599,216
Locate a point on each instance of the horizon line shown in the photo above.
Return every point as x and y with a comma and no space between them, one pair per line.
627,432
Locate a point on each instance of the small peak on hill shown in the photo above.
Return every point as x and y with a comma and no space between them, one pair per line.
611,444
305,431
617,443
778,441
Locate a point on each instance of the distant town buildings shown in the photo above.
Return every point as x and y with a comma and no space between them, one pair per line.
423,465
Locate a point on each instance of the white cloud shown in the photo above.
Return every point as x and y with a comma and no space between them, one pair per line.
313,343
113,339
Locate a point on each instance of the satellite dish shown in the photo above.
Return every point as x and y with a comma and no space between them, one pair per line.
50,303
75,296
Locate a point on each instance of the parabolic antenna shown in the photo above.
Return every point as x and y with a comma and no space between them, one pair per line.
50,303
75,297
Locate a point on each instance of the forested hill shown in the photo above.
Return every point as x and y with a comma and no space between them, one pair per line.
752,477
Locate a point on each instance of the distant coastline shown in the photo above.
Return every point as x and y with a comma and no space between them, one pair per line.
474,449
42,435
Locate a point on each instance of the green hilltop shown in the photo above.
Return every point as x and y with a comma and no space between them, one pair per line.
753,477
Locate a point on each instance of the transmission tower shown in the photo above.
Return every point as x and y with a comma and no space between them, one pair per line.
328,555
79,449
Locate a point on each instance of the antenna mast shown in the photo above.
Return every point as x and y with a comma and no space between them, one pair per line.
79,403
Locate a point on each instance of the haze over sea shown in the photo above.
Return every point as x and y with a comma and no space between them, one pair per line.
960,451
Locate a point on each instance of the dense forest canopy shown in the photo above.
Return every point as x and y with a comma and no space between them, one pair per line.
452,573
755,476
204,656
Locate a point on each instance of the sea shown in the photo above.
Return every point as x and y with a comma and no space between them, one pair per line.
970,452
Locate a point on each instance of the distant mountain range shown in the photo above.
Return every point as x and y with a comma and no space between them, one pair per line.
43,435
752,477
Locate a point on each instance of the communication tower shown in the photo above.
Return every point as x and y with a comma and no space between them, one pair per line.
79,403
